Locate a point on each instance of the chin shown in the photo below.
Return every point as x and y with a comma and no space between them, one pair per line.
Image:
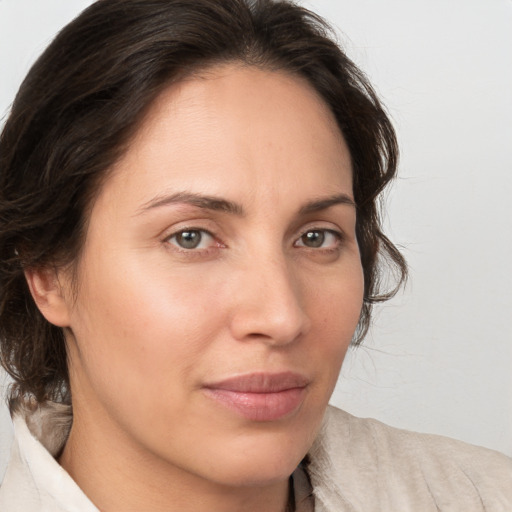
260,460
256,472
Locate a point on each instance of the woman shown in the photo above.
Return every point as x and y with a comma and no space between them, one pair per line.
186,256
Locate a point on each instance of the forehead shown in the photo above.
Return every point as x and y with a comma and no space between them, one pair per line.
236,127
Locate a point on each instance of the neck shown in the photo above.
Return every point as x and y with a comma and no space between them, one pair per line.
117,474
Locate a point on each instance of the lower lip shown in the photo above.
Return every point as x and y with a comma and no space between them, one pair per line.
260,406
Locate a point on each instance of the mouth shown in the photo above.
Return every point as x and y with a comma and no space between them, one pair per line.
260,396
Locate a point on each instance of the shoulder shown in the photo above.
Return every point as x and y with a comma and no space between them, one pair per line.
383,468
34,481
411,448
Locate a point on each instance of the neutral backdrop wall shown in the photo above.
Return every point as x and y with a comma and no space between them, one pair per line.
439,357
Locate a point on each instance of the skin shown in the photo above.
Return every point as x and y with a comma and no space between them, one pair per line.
154,321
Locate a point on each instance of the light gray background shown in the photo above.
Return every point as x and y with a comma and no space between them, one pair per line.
439,357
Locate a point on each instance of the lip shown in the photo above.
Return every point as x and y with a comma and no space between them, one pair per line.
260,396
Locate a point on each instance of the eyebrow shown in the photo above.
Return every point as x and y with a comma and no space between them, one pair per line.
199,200
325,203
223,205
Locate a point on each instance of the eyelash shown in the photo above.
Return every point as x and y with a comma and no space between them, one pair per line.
337,235
193,250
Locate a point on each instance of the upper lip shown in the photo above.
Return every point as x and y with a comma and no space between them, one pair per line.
261,382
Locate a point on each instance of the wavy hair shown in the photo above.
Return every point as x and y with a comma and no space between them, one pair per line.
83,100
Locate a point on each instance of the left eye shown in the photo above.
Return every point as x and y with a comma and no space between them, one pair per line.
318,239
191,239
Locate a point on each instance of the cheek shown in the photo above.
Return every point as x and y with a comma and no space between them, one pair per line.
140,327
335,301
335,309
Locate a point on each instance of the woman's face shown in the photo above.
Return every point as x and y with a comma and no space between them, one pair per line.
220,282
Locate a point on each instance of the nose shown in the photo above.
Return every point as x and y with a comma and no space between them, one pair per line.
268,305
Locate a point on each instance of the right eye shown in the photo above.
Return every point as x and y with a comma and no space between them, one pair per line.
190,239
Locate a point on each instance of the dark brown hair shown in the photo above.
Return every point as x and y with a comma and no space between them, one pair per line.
85,97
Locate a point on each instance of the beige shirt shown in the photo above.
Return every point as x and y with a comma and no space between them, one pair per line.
355,464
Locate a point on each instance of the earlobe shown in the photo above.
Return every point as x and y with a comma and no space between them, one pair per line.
48,295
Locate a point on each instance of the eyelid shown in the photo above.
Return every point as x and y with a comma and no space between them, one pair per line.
337,233
215,242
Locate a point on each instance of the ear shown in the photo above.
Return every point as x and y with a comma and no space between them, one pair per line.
47,292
